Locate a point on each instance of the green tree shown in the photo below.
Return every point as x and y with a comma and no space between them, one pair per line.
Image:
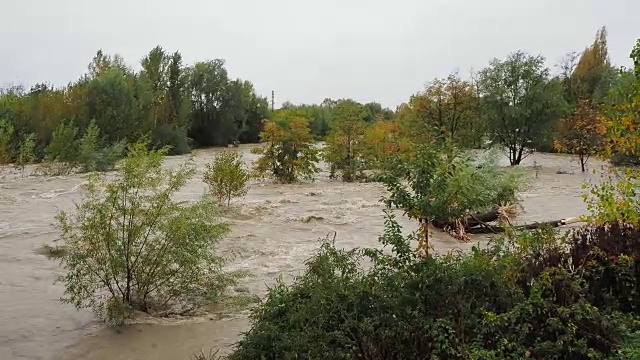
520,101
210,124
94,156
227,176
63,147
289,153
26,154
6,138
344,149
440,183
131,246
448,108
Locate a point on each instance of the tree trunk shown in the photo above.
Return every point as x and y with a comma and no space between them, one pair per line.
490,229
471,220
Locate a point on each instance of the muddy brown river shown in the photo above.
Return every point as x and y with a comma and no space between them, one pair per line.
275,228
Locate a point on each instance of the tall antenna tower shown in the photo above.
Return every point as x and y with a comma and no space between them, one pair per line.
273,100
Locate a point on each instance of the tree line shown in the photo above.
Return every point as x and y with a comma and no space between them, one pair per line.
517,103
167,101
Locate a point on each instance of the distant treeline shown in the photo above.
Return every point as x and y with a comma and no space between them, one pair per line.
516,102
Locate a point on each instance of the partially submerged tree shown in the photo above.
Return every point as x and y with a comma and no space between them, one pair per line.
521,101
227,176
288,154
26,154
344,148
130,246
448,108
93,155
581,133
443,185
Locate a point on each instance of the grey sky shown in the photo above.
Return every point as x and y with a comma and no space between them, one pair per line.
306,50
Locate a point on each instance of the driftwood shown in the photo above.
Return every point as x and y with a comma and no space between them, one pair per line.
492,229
478,223
472,220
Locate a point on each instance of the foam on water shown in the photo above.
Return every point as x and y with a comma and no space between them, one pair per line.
275,230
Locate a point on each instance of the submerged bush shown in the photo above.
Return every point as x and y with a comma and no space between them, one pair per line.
130,246
537,296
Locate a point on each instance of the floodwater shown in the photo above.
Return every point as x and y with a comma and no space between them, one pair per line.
275,228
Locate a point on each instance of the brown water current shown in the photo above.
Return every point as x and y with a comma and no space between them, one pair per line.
275,228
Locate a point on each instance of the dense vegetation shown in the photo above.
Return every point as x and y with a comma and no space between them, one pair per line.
516,103
530,294
541,294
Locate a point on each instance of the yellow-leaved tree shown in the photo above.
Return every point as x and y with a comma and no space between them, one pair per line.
345,146
289,153
616,198
581,133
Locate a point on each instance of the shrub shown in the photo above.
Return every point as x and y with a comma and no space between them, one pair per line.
92,157
175,138
6,136
519,298
129,246
63,146
26,154
227,176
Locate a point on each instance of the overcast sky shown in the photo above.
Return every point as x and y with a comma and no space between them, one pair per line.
369,50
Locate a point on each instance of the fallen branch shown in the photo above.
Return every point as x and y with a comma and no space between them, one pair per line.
491,229
472,220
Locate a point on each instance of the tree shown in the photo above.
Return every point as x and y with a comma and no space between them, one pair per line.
447,108
227,176
26,153
440,183
130,246
288,154
591,75
383,140
94,156
63,146
581,133
615,198
520,101
344,148
6,138
210,125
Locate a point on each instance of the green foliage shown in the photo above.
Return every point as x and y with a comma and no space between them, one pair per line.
26,153
537,296
63,146
289,153
442,182
227,176
174,138
130,246
6,137
345,147
521,101
614,199
92,156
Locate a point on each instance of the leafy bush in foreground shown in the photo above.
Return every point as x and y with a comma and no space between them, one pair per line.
130,246
539,296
